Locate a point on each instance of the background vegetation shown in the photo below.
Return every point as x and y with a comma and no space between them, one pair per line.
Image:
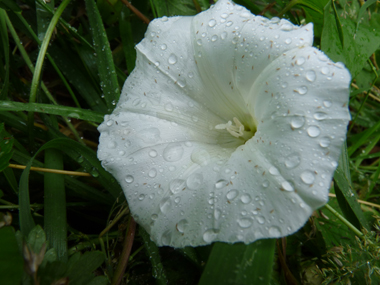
62,66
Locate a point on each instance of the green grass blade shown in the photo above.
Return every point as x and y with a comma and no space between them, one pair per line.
71,112
55,204
6,145
5,46
363,139
345,193
240,264
127,39
106,67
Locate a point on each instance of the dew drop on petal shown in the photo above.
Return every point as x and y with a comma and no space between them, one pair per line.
152,173
129,179
153,153
274,232
173,152
265,183
182,225
287,186
300,60
292,161
172,59
194,181
308,177
210,235
199,42
223,36
200,156
313,131
212,23
224,15
286,27
327,103
169,107
165,204
288,41
325,70
245,223
297,122
190,74
214,38
177,185
324,142
320,116
221,184
163,46
231,195
245,198
141,197
273,170
310,75
302,90
260,220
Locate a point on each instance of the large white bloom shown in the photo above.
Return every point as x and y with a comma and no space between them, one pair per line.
229,128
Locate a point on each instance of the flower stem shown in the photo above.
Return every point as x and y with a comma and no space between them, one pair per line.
344,221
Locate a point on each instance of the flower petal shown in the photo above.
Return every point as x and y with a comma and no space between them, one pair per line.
190,183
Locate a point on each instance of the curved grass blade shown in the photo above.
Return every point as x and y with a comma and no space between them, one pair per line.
240,264
106,67
71,112
6,147
5,46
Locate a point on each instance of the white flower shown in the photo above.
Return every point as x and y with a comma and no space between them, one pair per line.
229,128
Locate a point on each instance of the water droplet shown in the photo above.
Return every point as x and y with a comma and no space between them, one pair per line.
173,152
287,186
154,217
231,195
274,232
221,184
177,185
334,163
165,204
323,57
109,123
223,36
199,42
152,173
190,74
172,59
324,142
327,103
127,143
141,197
273,170
302,90
224,15
245,198
153,153
260,220
194,181
129,179
169,107
245,223
214,38
297,122
313,131
166,237
311,76
300,60
200,156
80,159
229,23
212,23
111,145
292,161
325,70
265,183
177,200
288,41
308,177
94,172
286,27
320,116
210,235
163,46
182,225
284,84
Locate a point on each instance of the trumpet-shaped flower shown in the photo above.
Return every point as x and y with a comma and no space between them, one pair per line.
229,128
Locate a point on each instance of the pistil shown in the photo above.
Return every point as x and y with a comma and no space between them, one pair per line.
237,130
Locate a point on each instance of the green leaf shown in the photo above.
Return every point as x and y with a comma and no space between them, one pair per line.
240,264
362,10
10,5
6,147
11,261
345,193
36,238
174,7
75,113
106,67
5,47
127,39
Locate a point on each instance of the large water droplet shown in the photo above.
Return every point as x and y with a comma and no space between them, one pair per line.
287,186
210,235
275,232
324,142
231,195
292,161
166,237
172,59
327,103
265,183
245,223
173,152
214,38
288,41
245,198
182,225
320,116
310,75
325,70
260,220
308,177
300,60
301,90
153,153
273,170
177,185
212,23
165,204
201,157
223,36
129,179
141,197
199,42
152,173
286,27
194,181
313,131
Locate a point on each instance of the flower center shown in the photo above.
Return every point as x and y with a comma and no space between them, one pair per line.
238,130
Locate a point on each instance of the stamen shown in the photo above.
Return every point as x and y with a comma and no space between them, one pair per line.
236,131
